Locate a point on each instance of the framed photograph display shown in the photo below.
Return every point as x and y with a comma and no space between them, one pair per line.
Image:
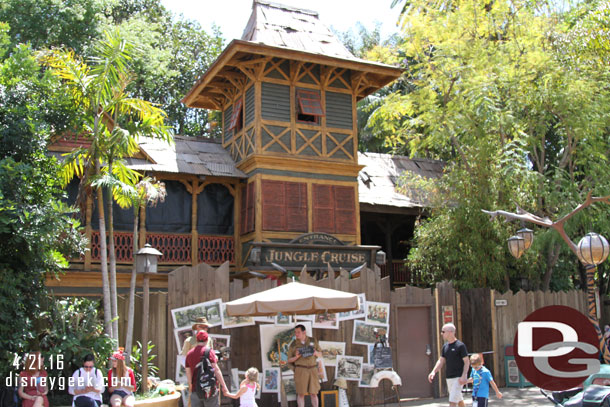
377,313
283,320
349,368
330,351
271,380
234,322
220,341
186,316
181,335
364,334
326,321
368,370
359,313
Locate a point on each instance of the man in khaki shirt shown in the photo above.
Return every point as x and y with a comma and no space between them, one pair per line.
201,324
302,353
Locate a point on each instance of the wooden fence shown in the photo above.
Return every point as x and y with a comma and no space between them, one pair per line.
482,325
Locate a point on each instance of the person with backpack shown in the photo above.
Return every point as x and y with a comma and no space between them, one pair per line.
87,384
203,374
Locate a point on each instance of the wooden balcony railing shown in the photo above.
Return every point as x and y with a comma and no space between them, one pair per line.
176,247
401,274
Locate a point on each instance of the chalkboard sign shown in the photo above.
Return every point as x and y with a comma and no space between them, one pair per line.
330,398
306,351
382,357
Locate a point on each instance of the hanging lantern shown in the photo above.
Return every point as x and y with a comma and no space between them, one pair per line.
527,235
593,249
516,246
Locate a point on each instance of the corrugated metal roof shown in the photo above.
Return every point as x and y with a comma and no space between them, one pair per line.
294,28
378,179
188,155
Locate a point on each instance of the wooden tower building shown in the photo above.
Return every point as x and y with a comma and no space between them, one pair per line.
288,92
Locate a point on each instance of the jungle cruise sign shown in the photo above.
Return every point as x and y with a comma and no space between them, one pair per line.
316,250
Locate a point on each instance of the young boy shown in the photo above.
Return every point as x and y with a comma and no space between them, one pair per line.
481,378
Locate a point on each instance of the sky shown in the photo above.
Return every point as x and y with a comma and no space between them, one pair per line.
232,15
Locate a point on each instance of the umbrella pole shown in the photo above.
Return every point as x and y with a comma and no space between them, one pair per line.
283,400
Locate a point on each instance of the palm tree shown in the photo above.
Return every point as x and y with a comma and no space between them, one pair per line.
111,121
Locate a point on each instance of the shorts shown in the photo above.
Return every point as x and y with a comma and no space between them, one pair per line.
84,401
306,380
213,401
120,393
479,401
455,390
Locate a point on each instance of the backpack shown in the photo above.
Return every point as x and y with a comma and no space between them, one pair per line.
206,378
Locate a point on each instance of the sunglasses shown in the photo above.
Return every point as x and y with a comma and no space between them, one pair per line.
88,366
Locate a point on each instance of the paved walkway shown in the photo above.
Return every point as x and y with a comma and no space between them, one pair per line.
512,396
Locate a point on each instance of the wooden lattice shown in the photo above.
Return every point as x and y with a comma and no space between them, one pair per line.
123,246
176,248
216,249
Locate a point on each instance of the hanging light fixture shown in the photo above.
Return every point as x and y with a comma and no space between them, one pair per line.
527,235
593,249
516,246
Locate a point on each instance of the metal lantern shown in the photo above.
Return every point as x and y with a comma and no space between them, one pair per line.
527,235
380,258
516,246
593,249
146,259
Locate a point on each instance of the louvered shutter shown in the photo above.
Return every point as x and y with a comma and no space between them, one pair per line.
296,207
345,210
323,208
250,208
274,205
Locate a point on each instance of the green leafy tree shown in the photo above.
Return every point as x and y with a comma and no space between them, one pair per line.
111,121
37,231
503,93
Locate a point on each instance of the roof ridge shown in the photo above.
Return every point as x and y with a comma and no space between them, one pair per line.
285,7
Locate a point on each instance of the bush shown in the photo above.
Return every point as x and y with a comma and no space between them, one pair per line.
136,362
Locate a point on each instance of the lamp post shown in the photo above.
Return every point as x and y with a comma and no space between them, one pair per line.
592,250
146,264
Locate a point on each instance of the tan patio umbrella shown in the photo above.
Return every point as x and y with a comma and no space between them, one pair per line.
293,299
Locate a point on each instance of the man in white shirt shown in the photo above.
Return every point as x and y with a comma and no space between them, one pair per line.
87,384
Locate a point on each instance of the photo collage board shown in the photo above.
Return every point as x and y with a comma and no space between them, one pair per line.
371,322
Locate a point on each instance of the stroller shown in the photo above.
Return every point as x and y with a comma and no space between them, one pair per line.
595,392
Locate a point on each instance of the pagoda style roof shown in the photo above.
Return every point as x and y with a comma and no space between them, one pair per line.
278,31
292,28
379,179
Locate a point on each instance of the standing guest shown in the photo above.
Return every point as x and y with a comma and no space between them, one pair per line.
455,356
481,379
201,324
121,382
247,389
306,378
193,360
33,382
87,384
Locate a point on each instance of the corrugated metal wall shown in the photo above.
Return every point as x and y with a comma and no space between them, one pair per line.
250,106
339,110
275,102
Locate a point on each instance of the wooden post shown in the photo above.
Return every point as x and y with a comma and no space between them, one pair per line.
494,333
145,287
284,401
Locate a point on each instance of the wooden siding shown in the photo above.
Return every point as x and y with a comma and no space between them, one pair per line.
275,104
228,134
250,106
339,110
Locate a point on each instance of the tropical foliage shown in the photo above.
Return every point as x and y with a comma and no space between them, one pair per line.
37,231
514,97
